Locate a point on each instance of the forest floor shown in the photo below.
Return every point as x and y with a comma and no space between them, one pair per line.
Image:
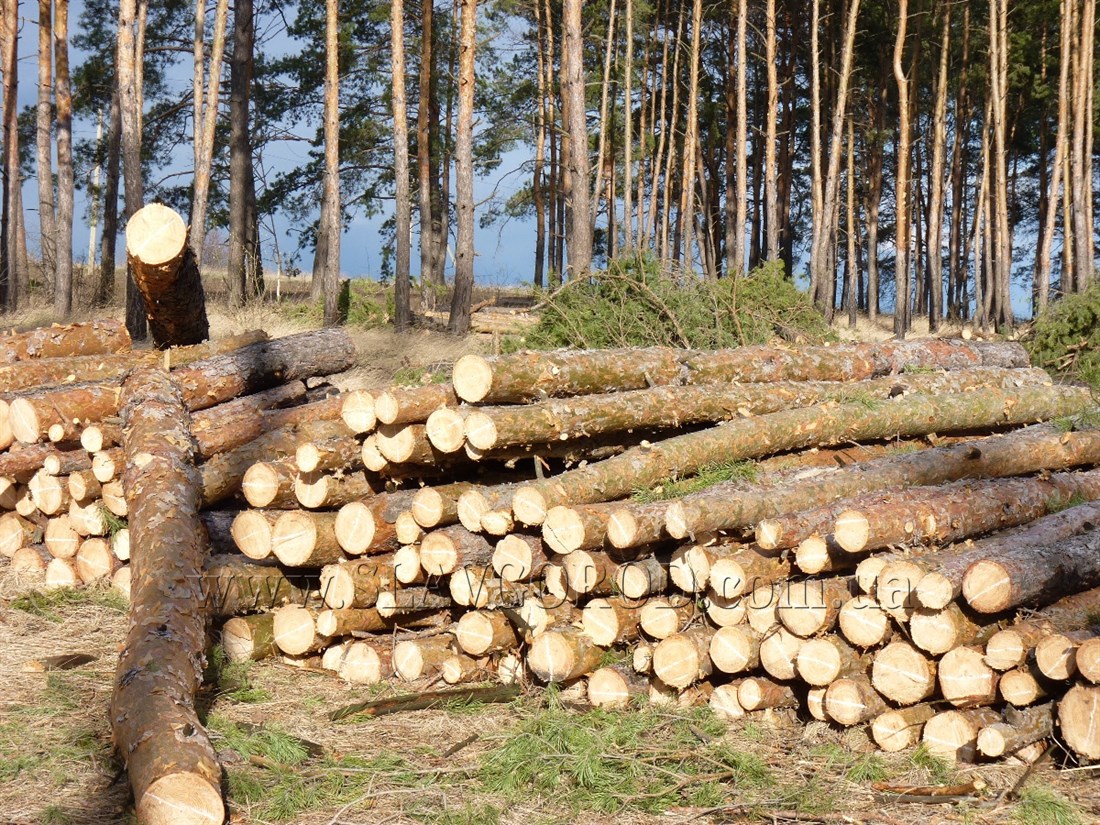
536,760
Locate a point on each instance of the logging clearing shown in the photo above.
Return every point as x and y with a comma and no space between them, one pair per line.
912,552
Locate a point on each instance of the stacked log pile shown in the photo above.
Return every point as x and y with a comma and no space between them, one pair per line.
914,550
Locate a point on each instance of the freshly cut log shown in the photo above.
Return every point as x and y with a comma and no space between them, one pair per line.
60,573
304,539
270,484
446,429
510,669
438,506
745,569
724,612
357,411
642,577
105,465
815,704
338,452
481,632
1056,655
852,701
419,657
1022,686
246,638
1020,728
566,529
615,687
32,559
94,560
356,583
755,693
938,631
367,526
458,669
674,407
662,617
31,458
735,649
527,376
589,573
96,437
49,493
316,491
366,662
17,532
956,511
120,582
1079,721
954,733
406,565
847,362
1037,569
641,658
442,551
295,631
518,557
204,383
234,587
114,499
812,606
690,565
173,768
406,444
166,272
693,697
896,730
903,674
1010,647
60,538
406,529
965,679
89,520
779,653
368,620
223,474
83,486
252,530
863,622
611,621
476,587
536,615
819,555
632,525
760,607
101,337
896,584
497,523
413,405
334,655
475,502
822,661
233,423
563,655
1088,660
1041,447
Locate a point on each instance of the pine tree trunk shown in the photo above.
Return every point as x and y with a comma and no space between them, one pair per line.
402,318
901,268
206,119
105,286
935,208
462,298
43,131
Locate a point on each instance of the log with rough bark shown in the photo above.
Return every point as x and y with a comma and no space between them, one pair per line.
1079,721
847,362
1020,728
233,423
344,621
315,491
166,272
1010,647
852,701
89,338
270,484
246,638
233,586
1031,449
338,452
952,512
954,733
413,405
527,376
756,693
1036,570
204,383
563,655
442,551
173,768
744,569
487,428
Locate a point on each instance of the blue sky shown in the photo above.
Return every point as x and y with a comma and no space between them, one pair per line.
504,253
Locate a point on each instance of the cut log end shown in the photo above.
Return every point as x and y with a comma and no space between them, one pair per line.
1079,721
358,411
355,528
987,586
181,799
156,235
529,506
295,630
851,531
427,507
472,377
446,430
562,530
251,533
769,532
481,431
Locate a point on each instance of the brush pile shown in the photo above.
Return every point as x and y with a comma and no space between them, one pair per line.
897,535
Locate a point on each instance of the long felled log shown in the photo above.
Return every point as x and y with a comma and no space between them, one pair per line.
241,420
1041,447
57,341
646,465
167,274
174,770
204,383
660,407
413,405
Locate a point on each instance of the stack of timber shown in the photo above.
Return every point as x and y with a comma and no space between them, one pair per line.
906,540
500,538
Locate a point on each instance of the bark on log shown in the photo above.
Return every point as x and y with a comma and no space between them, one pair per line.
954,733
357,583
896,730
554,420
233,423
234,586
421,657
166,272
756,693
413,405
518,557
443,551
563,655
438,506
1029,450
746,569
527,376
315,491
939,515
1010,647
1037,569
327,455
1020,728
89,338
344,621
173,768
303,539
853,700
246,638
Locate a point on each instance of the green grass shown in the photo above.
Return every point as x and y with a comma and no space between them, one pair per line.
868,768
114,523
1082,422
1056,504
53,604
940,771
707,476
231,679
1040,806
918,369
419,376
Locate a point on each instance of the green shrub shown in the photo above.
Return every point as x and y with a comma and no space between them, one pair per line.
634,303
1066,338
362,304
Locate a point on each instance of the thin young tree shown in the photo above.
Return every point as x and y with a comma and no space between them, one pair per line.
330,218
771,197
9,223
402,318
47,215
242,217
735,263
691,136
425,139
538,191
63,286
206,92
1043,257
939,148
628,129
575,110
129,55
901,267
462,298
